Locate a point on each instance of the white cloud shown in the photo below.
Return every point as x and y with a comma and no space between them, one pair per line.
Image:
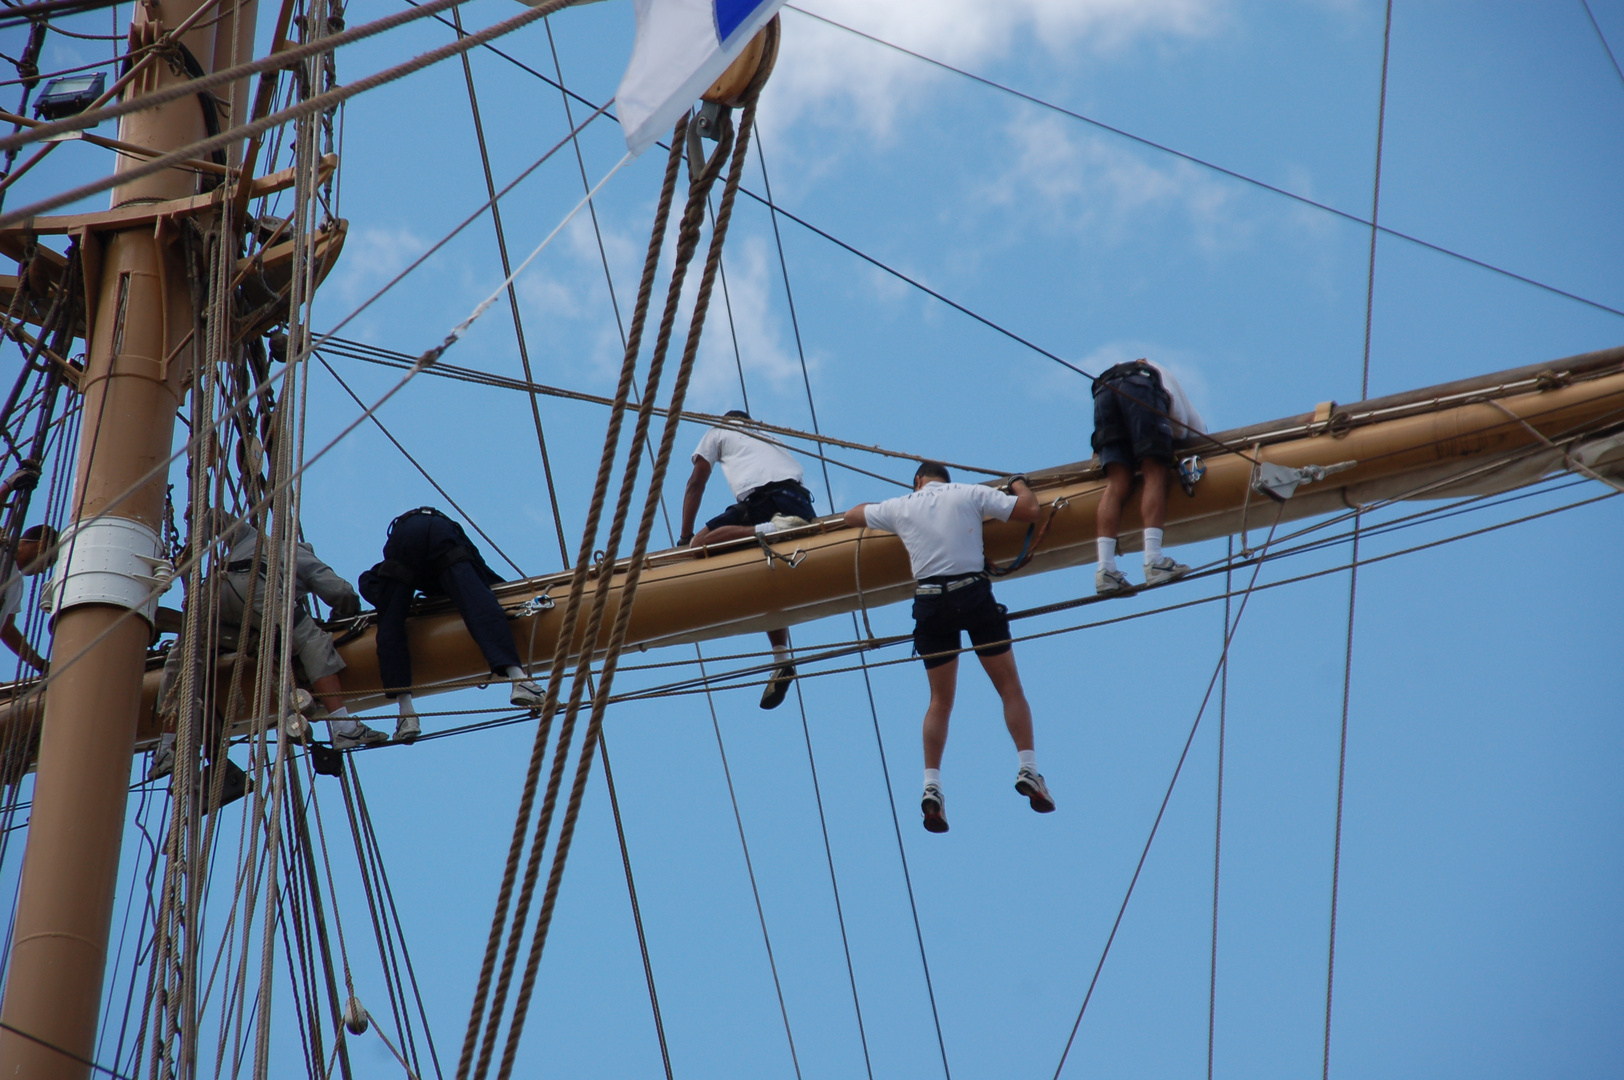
371,257
1090,181
826,71
763,348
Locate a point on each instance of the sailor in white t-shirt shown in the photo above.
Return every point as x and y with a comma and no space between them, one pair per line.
768,495
940,523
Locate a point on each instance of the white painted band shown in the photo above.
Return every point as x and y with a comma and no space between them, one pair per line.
109,560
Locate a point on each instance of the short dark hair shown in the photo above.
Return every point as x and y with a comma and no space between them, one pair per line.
42,535
739,413
932,470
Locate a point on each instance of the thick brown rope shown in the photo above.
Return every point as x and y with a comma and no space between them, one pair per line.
687,242
629,586
572,605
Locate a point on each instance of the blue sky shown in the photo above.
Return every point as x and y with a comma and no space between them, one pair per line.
1477,930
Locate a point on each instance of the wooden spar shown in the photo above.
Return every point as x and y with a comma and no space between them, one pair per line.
1441,442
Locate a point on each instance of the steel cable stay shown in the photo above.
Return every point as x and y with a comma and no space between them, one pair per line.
1229,638
1231,173
1353,560
885,772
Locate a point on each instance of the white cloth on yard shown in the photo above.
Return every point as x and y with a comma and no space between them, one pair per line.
1186,421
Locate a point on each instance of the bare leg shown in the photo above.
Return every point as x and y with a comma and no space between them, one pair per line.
944,681
1118,484
330,692
1007,681
778,639
1153,499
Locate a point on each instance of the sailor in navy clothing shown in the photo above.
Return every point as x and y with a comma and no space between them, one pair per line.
940,525
428,552
768,495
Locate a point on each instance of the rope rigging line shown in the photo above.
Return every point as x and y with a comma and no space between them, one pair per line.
1596,26
828,487
309,106
1231,173
499,919
1229,638
688,238
1353,572
563,552
373,354
407,454
750,871
507,269
1218,820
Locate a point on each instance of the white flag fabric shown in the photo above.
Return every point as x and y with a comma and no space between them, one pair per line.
682,47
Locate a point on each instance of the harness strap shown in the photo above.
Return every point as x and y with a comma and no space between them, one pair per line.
1035,533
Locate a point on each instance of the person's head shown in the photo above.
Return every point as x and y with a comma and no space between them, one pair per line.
36,549
931,472
735,414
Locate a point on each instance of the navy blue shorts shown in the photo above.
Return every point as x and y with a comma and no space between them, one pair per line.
760,505
938,619
1131,422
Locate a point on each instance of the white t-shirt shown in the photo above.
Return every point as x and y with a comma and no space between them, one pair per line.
11,596
748,461
1186,421
940,525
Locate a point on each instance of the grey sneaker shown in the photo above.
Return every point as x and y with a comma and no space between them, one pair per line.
1107,582
1029,782
408,729
1163,570
527,695
772,695
163,759
934,807
359,735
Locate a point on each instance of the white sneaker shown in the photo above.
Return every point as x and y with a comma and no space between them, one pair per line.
360,735
527,695
1163,570
1107,582
934,808
408,729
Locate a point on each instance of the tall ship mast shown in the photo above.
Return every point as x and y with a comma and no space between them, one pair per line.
178,363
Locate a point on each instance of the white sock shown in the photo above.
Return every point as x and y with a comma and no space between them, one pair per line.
1153,545
406,707
339,713
1107,552
780,654
1029,759
516,674
344,725
933,776
166,743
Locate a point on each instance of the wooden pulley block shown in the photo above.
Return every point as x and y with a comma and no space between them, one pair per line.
754,64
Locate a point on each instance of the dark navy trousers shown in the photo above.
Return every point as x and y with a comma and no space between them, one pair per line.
422,542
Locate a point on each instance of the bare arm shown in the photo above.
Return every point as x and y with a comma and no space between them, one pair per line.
857,515
15,642
691,496
1027,507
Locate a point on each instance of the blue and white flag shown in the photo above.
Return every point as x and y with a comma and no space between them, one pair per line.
682,47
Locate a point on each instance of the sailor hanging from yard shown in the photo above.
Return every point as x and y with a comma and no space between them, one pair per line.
768,495
1139,412
428,552
940,525
242,606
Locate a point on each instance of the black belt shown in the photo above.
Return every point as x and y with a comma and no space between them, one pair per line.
777,485
241,566
939,586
